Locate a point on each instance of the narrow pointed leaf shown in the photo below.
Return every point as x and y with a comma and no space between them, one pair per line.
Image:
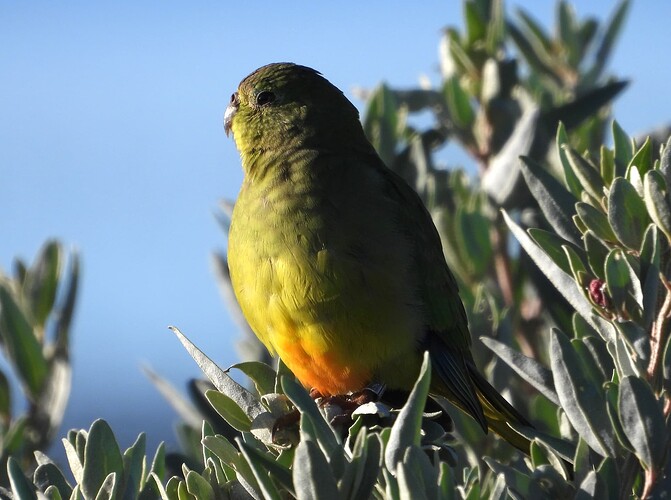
627,213
260,373
369,469
102,457
528,368
324,432
583,107
21,487
552,244
515,479
42,282
108,489
531,54
312,475
596,252
650,267
407,428
198,486
589,177
410,484
66,307
582,400
596,221
248,402
643,157
591,487
642,421
261,462
184,408
656,197
133,464
581,461
562,281
665,162
572,181
624,149
624,287
459,104
561,447
555,201
48,474
229,410
22,346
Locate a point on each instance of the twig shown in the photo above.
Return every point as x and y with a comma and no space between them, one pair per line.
658,334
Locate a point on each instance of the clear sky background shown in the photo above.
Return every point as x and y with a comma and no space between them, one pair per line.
111,140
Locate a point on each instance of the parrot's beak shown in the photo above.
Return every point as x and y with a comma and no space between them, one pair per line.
231,109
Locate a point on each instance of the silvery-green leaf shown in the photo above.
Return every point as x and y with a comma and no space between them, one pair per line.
528,368
406,430
591,487
229,410
551,244
627,213
324,433
198,487
102,457
562,281
624,149
263,467
582,400
514,478
21,487
642,159
642,420
596,221
655,194
624,287
20,342
248,402
650,267
596,252
555,201
312,476
589,177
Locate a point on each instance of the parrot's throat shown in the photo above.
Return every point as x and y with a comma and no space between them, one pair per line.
276,165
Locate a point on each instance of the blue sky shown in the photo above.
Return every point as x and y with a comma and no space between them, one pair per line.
111,140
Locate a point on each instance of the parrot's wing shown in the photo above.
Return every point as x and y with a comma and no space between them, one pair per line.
443,310
447,337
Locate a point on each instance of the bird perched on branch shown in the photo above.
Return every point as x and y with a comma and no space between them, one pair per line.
334,259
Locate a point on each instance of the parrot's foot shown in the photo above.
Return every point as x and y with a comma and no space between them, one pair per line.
346,404
315,394
283,426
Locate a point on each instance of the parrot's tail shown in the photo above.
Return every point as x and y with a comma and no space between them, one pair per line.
499,412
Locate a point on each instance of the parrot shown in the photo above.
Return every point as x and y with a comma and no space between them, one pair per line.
334,259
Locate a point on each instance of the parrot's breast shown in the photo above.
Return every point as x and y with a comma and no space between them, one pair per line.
324,281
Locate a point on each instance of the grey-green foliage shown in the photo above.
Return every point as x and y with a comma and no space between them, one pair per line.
377,455
568,285
610,369
36,309
98,467
602,425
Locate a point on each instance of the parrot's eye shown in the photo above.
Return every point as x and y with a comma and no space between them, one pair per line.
264,97
234,97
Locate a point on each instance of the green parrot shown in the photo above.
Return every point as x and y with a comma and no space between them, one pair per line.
334,259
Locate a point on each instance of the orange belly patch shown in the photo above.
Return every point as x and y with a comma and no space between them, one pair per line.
324,371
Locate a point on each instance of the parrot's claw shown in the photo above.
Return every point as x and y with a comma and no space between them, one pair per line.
346,404
315,394
282,427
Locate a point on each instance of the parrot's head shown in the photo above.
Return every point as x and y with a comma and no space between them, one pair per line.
284,105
